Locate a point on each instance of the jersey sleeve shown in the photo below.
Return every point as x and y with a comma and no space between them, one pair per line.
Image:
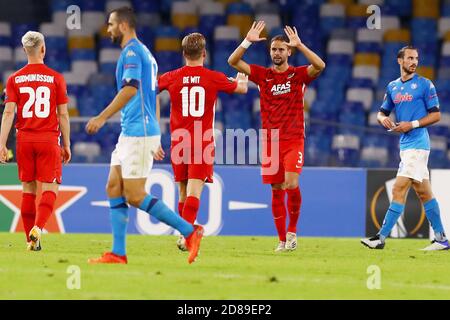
302,72
256,73
388,105
132,68
11,94
431,98
164,82
61,91
223,83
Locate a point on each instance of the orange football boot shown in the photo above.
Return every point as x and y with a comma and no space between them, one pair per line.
193,242
109,257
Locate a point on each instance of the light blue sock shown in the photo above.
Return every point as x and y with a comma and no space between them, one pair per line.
394,212
160,211
119,222
434,216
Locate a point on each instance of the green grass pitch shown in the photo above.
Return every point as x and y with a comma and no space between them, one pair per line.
227,268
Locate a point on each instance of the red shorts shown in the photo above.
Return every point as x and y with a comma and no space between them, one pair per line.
39,161
193,168
288,159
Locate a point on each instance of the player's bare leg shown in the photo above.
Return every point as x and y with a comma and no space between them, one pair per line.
294,200
279,214
136,196
44,211
182,191
399,192
28,211
425,194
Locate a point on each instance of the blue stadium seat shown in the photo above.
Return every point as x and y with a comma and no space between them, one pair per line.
168,60
146,35
108,67
18,31
317,149
368,47
82,54
401,8
345,150
147,6
93,5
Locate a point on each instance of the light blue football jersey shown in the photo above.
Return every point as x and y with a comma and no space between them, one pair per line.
137,67
411,100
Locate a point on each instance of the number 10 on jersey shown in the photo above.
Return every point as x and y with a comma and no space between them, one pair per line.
190,105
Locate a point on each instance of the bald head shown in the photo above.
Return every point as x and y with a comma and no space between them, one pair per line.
33,42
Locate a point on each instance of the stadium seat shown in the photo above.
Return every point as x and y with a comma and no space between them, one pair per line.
5,34
90,150
374,157
114,4
356,16
426,9
363,95
240,15
438,154
345,150
212,14
184,14
427,72
332,16
389,23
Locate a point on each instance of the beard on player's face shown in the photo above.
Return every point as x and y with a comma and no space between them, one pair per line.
409,69
117,39
278,61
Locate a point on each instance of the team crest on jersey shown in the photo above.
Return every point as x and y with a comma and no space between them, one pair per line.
281,88
291,75
414,86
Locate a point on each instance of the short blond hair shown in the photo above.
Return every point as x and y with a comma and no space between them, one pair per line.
193,45
32,40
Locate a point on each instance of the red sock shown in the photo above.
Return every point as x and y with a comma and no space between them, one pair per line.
28,212
180,208
294,202
45,208
279,213
190,209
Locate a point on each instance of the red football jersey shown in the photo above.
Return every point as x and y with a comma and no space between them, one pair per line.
281,98
37,90
193,94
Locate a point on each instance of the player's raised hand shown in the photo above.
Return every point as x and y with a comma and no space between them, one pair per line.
294,39
95,124
255,31
3,154
159,154
66,154
241,77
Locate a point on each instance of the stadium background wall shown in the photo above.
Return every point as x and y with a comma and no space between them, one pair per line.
336,202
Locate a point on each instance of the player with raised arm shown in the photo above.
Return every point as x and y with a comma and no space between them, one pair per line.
39,95
139,141
282,89
193,92
416,105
